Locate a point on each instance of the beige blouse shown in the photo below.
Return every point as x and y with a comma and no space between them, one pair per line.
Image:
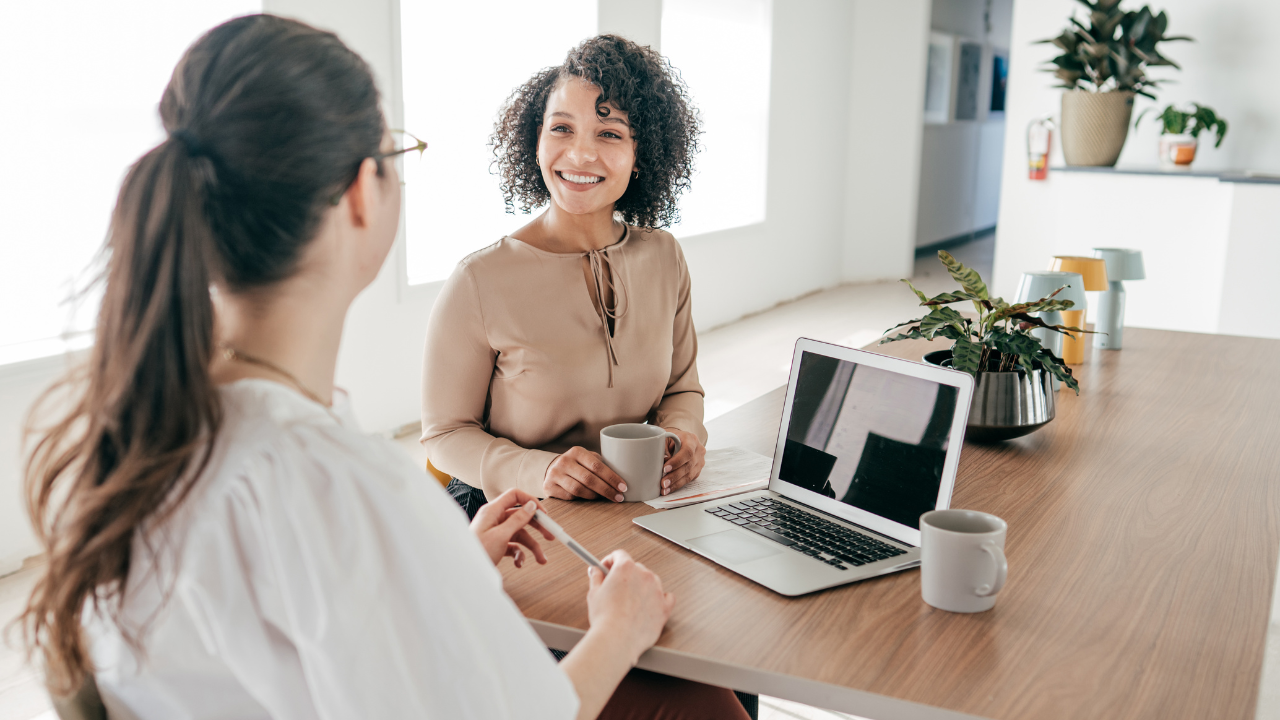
519,365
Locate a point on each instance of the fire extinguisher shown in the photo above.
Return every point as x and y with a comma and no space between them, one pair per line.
1039,140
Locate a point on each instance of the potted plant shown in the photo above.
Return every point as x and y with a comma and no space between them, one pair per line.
1180,134
1102,67
1013,395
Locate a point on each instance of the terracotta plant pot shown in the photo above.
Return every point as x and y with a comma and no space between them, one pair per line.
1094,126
1177,151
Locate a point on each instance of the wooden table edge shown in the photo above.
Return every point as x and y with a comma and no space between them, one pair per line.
761,682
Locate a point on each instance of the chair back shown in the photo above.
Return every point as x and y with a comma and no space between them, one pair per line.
442,477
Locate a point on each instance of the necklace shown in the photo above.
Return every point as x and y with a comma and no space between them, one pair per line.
235,355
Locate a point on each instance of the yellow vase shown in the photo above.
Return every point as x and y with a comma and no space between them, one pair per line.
1073,344
1094,272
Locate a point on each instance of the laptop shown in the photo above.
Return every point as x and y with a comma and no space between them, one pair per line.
867,444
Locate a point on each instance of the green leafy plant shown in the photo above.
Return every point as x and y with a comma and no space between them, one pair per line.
999,339
1112,51
1181,122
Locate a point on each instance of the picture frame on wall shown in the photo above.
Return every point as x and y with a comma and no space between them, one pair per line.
999,80
938,78
967,80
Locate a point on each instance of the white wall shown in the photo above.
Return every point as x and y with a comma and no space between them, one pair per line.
1227,68
1231,67
638,20
886,114
796,249
821,166
960,160
20,385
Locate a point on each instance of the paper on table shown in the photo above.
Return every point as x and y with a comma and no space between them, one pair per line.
729,471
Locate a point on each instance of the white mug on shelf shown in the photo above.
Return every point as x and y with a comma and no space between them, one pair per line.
962,563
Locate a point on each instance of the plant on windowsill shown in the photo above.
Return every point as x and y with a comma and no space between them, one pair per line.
1180,132
1102,66
1013,395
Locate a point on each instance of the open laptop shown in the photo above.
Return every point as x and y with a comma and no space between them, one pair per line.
867,444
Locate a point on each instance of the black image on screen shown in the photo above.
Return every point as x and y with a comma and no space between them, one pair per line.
871,438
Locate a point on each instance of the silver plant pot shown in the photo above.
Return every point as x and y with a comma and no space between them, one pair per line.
1006,405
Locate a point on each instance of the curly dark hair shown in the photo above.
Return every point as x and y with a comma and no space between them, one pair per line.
638,81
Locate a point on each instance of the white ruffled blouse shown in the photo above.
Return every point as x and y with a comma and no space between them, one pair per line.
316,572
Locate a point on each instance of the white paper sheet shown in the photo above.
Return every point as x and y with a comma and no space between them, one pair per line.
729,471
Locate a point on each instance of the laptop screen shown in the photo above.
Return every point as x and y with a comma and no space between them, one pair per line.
870,438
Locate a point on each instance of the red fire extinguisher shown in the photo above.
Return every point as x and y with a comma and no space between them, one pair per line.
1039,140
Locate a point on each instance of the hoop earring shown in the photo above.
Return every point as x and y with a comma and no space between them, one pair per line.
635,173
536,161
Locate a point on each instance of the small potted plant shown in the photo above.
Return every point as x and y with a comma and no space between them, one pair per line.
1180,132
1013,395
1102,66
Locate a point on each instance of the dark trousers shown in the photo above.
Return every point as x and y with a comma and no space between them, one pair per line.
472,499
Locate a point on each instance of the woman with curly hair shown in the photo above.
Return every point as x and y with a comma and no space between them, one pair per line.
580,319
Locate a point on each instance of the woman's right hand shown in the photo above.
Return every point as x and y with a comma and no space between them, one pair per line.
580,473
628,603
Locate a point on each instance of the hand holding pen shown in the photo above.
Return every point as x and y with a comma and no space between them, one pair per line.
504,527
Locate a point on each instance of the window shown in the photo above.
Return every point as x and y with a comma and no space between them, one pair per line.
722,50
460,61
82,81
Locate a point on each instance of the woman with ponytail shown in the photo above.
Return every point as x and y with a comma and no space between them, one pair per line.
221,540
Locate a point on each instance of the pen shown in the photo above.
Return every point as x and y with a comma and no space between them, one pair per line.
554,528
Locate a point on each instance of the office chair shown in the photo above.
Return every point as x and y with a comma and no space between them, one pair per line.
442,477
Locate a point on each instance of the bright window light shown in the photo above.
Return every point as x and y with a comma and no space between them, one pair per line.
460,61
82,82
722,50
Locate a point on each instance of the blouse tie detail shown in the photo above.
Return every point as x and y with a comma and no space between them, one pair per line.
604,278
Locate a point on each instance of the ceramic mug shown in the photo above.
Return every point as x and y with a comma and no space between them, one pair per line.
637,452
962,563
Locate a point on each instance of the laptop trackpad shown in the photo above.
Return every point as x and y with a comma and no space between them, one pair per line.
732,546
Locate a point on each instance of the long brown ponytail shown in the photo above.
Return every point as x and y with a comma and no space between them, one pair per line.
268,119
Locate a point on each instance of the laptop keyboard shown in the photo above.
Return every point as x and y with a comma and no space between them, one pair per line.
835,545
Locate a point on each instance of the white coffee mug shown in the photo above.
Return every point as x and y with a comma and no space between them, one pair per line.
637,452
962,563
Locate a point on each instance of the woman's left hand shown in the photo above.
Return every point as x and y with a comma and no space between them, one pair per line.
503,524
685,466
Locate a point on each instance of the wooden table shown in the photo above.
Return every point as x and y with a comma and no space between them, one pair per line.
1144,525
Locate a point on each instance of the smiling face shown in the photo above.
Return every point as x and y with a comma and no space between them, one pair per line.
586,155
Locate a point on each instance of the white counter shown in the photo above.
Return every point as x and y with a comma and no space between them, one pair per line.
1210,242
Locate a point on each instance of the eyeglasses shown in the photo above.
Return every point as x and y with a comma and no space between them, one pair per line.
403,137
